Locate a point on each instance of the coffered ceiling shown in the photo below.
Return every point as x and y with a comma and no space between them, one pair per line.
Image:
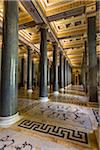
67,25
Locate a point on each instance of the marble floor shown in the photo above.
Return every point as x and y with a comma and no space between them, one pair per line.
11,139
22,93
64,122
75,89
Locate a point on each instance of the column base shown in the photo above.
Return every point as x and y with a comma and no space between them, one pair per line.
69,85
7,121
66,87
48,86
55,93
44,99
62,89
29,90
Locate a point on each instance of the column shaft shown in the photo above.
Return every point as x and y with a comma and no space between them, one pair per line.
22,72
85,56
51,78
92,58
69,74
43,63
33,73
65,73
48,73
61,71
55,69
29,70
9,74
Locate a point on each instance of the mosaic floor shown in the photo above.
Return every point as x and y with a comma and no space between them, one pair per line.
55,125
75,89
60,121
60,112
69,98
14,140
69,114
24,94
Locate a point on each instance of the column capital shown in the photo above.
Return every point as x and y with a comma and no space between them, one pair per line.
28,47
61,52
54,43
65,57
91,10
85,36
43,26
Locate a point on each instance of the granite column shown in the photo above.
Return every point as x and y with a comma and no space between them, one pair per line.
55,70
29,70
92,59
43,65
22,72
61,72
9,66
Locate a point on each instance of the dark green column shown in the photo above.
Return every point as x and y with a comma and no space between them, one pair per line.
43,65
61,72
29,70
22,72
32,73
92,59
86,69
51,77
48,73
69,74
55,69
65,72
9,67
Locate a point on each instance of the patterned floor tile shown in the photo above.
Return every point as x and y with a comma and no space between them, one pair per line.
66,114
69,98
12,140
97,115
25,104
56,131
55,120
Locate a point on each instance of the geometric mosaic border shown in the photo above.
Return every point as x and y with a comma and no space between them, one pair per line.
65,133
96,114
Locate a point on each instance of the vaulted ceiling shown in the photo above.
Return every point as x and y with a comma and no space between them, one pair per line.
67,25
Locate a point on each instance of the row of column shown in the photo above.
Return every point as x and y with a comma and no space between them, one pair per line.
9,73
64,70
29,72
43,67
9,69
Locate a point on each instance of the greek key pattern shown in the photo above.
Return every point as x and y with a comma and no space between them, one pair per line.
97,116
65,133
